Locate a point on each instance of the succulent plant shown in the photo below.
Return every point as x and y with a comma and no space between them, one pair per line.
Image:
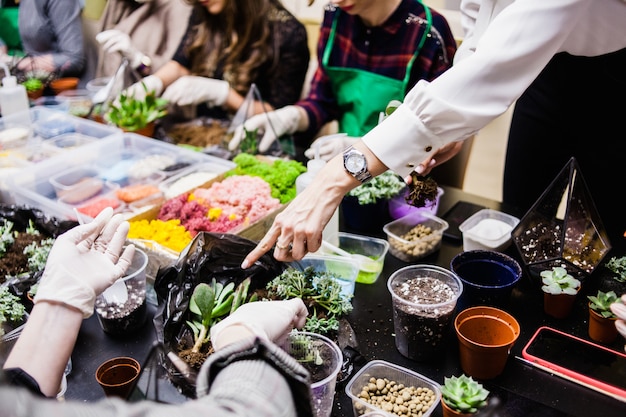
132,113
464,394
601,303
558,281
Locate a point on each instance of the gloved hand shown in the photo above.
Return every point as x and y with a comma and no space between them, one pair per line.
114,40
619,309
151,83
330,145
269,320
192,89
273,124
84,261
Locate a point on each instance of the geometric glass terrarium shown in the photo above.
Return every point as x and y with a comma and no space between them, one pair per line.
563,228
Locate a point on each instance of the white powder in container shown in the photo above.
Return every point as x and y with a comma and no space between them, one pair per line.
487,232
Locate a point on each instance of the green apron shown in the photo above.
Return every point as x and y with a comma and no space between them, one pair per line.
363,95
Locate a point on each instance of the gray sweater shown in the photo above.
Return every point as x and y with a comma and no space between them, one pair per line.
54,27
249,378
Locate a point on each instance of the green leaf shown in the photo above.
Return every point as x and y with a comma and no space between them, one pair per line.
204,299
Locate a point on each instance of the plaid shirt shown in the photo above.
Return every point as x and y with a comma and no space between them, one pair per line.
385,49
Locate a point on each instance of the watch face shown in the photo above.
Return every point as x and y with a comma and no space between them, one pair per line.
355,162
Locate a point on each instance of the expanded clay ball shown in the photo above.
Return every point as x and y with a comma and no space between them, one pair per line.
395,398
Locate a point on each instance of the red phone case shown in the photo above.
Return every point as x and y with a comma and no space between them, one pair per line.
570,374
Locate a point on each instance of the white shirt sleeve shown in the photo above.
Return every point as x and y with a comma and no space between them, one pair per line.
516,44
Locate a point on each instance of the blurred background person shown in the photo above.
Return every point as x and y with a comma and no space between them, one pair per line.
370,52
146,32
228,46
52,37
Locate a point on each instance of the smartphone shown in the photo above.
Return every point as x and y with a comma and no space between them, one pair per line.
455,216
581,361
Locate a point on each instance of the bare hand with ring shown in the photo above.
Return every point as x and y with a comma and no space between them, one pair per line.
297,230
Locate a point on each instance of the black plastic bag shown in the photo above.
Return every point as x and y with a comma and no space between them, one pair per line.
209,256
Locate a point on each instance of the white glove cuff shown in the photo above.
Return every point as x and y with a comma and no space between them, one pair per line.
78,297
291,117
222,93
136,59
152,82
257,331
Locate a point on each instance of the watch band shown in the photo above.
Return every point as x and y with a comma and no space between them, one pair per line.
363,175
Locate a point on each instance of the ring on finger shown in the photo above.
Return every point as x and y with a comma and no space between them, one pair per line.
281,247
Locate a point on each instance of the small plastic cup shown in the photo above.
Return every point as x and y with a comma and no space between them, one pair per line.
488,277
424,300
117,376
121,308
323,359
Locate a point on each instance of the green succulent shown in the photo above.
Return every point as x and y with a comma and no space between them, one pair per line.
558,281
132,114
618,266
601,303
33,84
384,186
210,303
464,394
11,308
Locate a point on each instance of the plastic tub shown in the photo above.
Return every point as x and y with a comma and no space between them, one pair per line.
372,249
488,230
381,369
415,236
398,207
346,269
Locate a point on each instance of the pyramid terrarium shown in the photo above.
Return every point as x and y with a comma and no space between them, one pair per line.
563,228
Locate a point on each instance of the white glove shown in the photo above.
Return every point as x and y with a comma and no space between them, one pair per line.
330,145
151,83
269,320
619,309
84,261
273,124
192,89
114,40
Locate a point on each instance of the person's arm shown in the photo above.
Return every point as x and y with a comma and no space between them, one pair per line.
170,72
299,227
514,48
247,372
45,344
82,263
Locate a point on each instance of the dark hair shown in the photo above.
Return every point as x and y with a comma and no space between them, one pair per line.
238,39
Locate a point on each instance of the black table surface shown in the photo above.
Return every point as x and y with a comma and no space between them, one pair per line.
522,389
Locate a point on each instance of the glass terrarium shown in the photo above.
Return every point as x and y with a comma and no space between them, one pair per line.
563,227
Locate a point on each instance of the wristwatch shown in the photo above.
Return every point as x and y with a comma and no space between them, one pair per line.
355,163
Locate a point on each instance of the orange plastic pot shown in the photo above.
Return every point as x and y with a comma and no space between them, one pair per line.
35,94
601,329
486,336
449,412
62,84
558,306
147,130
117,376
